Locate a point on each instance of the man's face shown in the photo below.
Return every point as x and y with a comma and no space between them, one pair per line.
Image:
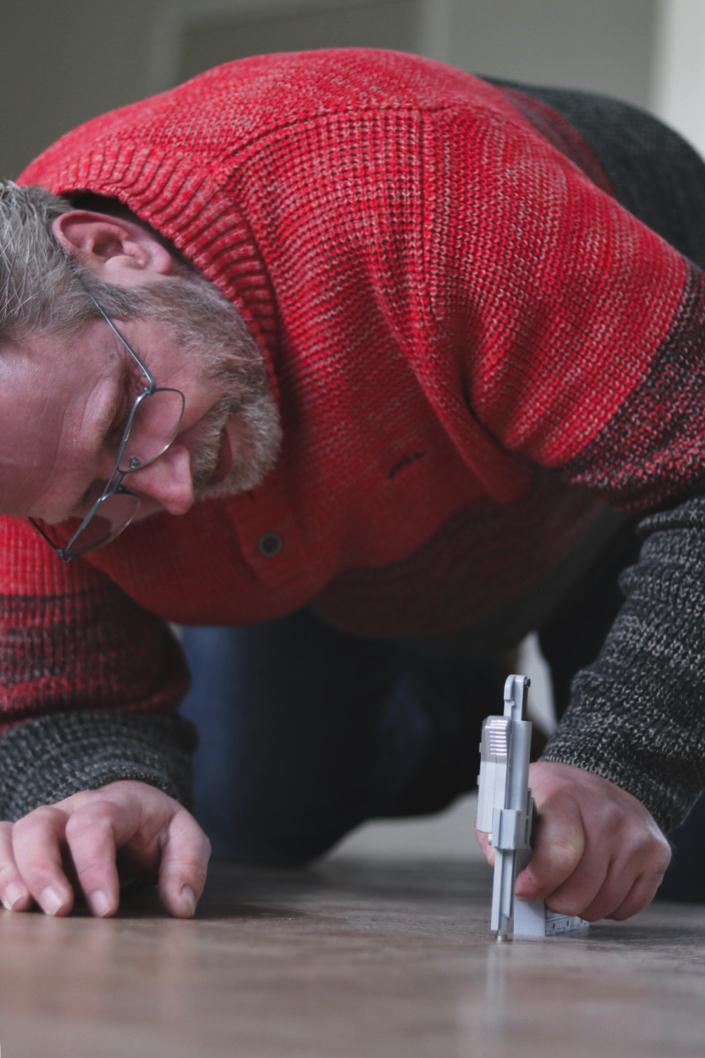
64,401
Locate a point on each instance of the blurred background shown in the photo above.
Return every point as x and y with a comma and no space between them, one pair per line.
63,61
66,60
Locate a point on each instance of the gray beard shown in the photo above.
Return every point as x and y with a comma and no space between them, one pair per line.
255,456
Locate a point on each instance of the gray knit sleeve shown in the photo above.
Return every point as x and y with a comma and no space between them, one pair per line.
637,714
46,759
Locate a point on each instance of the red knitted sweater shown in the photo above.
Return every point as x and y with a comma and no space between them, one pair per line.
463,328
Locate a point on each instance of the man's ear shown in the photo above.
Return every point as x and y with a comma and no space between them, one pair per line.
114,249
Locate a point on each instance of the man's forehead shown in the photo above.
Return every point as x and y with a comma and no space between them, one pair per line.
26,428
85,353
45,391
26,364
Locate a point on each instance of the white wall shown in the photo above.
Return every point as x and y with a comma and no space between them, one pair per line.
600,45
62,61
679,68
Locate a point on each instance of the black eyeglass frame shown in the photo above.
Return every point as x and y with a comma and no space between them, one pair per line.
113,485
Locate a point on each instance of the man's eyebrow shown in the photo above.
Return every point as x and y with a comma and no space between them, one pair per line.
104,423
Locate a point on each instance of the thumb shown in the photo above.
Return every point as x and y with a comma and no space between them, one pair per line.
558,849
483,840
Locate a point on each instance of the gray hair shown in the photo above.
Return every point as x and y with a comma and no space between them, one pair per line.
42,288
39,289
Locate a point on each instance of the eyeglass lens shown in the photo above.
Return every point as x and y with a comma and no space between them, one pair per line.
155,423
109,519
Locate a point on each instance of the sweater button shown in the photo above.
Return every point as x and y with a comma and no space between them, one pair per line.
270,544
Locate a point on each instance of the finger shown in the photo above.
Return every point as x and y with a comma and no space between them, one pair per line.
600,886
595,901
93,834
14,893
639,896
588,886
623,872
559,847
37,840
182,873
642,855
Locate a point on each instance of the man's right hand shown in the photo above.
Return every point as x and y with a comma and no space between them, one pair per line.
87,835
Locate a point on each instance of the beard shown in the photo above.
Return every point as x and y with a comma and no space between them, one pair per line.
208,326
258,428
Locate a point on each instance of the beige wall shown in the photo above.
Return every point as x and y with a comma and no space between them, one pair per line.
64,60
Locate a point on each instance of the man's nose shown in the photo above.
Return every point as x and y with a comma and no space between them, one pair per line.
168,480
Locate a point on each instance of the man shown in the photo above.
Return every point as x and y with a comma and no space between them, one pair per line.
410,355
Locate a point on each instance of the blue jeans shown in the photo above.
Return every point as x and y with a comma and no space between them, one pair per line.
306,731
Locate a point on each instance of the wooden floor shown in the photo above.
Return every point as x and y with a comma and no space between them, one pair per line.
353,959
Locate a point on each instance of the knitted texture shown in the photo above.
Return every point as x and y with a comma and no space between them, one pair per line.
46,760
649,674
479,356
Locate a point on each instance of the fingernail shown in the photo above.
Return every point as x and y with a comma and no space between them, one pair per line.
13,894
189,898
99,902
50,900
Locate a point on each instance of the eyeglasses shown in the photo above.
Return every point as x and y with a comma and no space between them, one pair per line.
151,428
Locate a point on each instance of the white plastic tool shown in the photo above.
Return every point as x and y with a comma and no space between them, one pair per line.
506,811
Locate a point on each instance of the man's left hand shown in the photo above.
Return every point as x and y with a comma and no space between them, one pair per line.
598,852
